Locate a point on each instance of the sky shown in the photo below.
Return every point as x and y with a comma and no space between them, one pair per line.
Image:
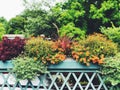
10,8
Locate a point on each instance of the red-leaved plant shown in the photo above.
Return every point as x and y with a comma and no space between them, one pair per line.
10,48
64,45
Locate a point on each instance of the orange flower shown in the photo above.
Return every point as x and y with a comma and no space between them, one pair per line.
84,60
60,56
100,61
76,57
60,49
52,62
48,58
94,59
75,53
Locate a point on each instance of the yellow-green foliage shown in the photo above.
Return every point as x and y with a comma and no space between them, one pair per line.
2,30
112,33
111,70
37,48
98,44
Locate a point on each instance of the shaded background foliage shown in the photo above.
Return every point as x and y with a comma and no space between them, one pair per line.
87,15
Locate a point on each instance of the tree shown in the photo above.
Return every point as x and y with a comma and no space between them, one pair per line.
90,14
16,25
39,21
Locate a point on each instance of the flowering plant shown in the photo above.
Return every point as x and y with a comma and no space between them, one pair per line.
83,55
48,52
61,49
82,51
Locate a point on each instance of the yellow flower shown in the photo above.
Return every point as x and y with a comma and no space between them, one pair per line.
87,53
35,58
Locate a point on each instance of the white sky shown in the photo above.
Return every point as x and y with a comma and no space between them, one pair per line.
10,8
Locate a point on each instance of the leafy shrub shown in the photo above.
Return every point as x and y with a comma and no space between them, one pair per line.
72,32
47,51
93,49
83,55
64,47
61,48
27,68
112,33
98,44
38,48
2,30
10,48
111,69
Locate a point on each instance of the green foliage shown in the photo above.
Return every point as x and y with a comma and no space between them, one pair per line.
71,31
111,69
87,15
94,13
103,12
112,33
4,22
99,13
72,14
16,25
38,48
98,44
2,30
72,21
38,22
117,87
27,68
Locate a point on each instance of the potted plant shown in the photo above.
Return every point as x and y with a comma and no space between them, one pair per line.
27,68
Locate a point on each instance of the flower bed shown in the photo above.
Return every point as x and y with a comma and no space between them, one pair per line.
65,64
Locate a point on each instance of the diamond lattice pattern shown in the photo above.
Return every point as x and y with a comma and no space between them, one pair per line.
55,81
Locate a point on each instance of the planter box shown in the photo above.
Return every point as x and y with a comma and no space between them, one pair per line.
67,75
6,65
70,64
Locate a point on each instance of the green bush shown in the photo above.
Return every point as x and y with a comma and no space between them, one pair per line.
72,32
27,68
98,44
38,48
111,70
112,33
2,31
